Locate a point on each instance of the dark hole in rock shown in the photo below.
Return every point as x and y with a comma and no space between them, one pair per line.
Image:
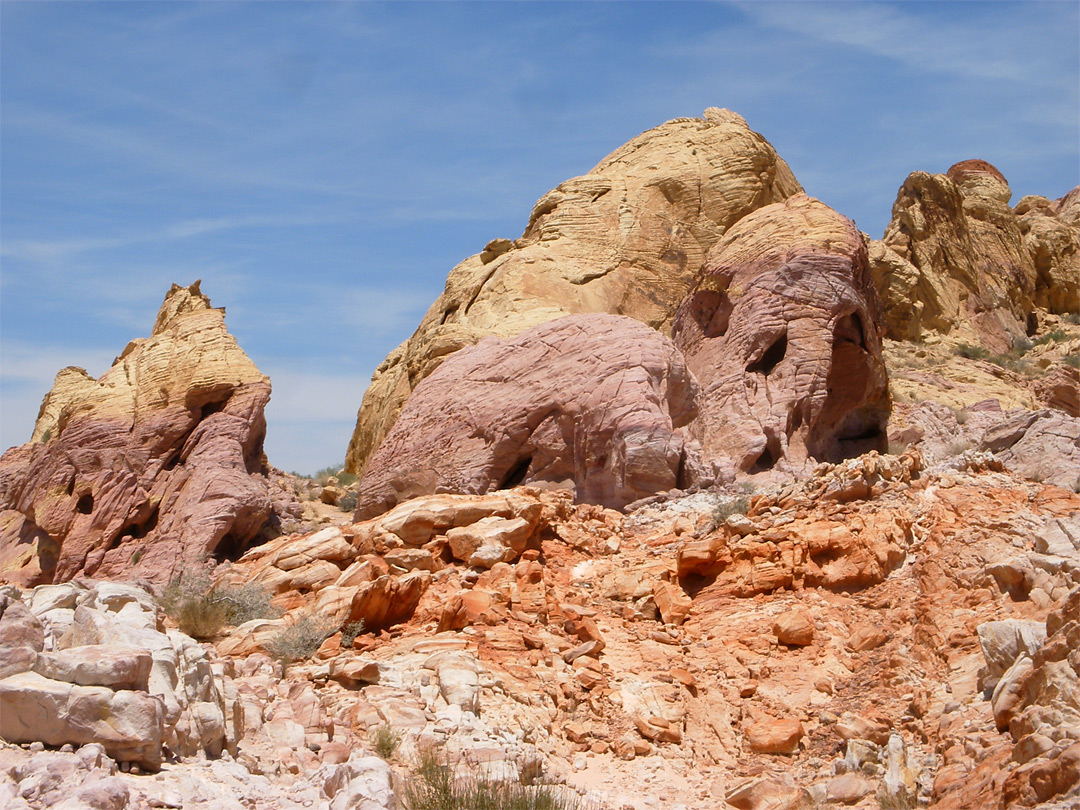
765,461
772,356
214,407
228,548
71,486
850,329
173,463
140,530
1032,324
85,505
517,474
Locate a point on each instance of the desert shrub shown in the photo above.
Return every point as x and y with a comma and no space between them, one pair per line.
901,800
961,415
1057,335
300,640
1022,345
385,740
735,506
1073,318
1071,360
958,446
347,502
201,609
433,786
971,352
350,631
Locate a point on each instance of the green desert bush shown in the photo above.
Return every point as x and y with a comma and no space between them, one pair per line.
432,785
385,740
201,609
971,352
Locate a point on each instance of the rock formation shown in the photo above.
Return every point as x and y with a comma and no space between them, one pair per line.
627,238
592,400
150,468
782,332
956,259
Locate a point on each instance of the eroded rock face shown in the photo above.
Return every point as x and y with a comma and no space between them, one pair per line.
589,400
627,238
146,470
956,259
782,333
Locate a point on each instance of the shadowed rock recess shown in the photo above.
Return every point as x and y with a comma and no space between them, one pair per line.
148,469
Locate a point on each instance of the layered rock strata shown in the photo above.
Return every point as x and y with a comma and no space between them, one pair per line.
627,238
148,469
592,401
783,333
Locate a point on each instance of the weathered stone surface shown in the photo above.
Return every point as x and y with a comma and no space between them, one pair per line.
148,469
590,401
626,238
1043,445
1004,641
782,332
388,600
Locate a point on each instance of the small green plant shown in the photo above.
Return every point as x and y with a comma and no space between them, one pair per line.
46,436
385,740
735,506
136,557
201,609
971,352
1057,335
433,786
350,631
1073,318
300,640
1071,360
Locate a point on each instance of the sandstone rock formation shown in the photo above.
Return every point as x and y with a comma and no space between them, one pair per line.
956,259
148,469
782,332
627,238
592,400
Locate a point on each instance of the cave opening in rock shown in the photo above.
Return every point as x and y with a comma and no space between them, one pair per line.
771,357
517,474
85,504
766,461
229,548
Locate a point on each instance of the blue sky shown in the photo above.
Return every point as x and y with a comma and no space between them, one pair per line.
322,166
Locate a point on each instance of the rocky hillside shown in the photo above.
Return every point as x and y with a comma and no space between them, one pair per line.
693,497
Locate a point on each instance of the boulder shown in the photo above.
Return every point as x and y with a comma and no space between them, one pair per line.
1051,235
147,470
783,333
98,665
770,735
794,629
129,724
626,238
587,401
